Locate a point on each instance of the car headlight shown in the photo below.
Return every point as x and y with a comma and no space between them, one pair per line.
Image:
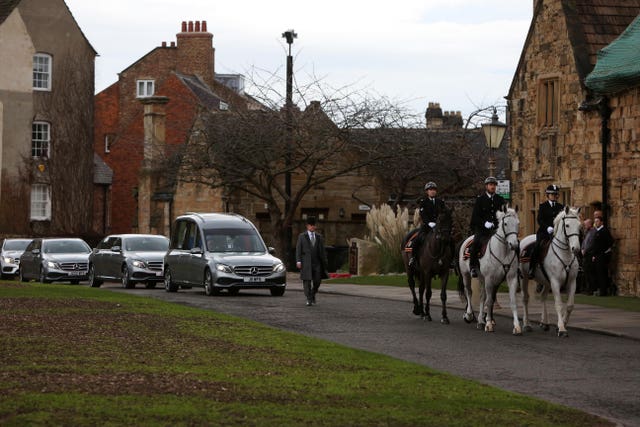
7,260
51,264
139,264
224,268
278,268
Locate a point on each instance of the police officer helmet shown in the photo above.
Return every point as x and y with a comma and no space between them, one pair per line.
429,185
491,180
552,189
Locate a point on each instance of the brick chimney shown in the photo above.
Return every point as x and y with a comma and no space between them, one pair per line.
195,51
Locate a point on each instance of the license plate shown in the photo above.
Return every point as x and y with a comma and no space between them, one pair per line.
254,279
77,273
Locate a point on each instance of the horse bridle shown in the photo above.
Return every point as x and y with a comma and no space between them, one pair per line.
555,242
503,240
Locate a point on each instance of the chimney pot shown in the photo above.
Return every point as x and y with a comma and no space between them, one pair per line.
197,26
190,27
173,44
184,26
204,26
164,44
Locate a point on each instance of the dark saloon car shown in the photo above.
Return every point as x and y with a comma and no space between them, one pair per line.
128,258
55,259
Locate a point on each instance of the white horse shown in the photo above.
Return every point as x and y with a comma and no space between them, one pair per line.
499,263
558,269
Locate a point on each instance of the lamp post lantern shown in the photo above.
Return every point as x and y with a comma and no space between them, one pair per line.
493,134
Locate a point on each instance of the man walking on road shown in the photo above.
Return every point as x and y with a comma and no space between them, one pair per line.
311,260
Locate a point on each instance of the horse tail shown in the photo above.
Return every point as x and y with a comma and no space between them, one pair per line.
461,287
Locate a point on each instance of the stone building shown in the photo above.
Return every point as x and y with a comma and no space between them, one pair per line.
556,132
46,120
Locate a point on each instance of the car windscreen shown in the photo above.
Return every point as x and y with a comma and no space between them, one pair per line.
233,240
65,247
16,245
146,244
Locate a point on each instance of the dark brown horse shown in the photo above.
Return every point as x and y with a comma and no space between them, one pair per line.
434,259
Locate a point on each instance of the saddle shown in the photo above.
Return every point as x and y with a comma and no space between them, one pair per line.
467,250
525,253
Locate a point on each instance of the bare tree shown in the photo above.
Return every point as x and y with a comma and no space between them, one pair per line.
253,151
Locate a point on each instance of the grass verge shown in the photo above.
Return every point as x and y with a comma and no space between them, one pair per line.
619,302
81,356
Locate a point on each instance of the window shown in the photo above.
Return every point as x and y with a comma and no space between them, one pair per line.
108,141
548,97
40,139
532,219
145,88
40,202
41,71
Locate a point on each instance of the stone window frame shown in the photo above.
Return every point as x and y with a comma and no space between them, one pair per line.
548,102
145,88
42,71
40,202
108,142
40,139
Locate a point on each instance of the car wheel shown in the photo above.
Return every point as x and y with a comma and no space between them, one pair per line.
208,284
43,276
22,278
93,282
277,292
127,283
169,285
150,285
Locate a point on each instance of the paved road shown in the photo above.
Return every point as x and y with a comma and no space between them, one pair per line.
595,373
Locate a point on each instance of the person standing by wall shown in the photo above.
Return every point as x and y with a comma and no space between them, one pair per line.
588,283
311,260
600,254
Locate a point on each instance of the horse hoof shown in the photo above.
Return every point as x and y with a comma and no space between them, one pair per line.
417,310
528,328
466,320
517,332
480,326
488,327
563,334
444,321
427,317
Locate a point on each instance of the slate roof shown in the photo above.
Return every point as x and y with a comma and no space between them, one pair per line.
200,89
592,25
102,173
6,7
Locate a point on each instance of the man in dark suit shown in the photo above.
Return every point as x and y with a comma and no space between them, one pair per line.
547,212
311,260
600,254
430,207
483,220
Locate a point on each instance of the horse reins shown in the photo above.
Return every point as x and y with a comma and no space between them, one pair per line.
503,240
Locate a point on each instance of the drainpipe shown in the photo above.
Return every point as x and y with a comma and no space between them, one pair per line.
602,106
605,139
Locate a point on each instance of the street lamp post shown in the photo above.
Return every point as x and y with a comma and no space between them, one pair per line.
289,36
493,134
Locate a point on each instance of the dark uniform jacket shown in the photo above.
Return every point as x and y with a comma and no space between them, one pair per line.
430,209
546,215
601,243
485,210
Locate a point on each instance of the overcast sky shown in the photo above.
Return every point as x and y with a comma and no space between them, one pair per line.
460,53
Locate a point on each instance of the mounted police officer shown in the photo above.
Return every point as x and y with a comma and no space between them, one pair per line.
547,212
430,207
484,220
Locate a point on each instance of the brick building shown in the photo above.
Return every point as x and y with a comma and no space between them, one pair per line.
553,140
